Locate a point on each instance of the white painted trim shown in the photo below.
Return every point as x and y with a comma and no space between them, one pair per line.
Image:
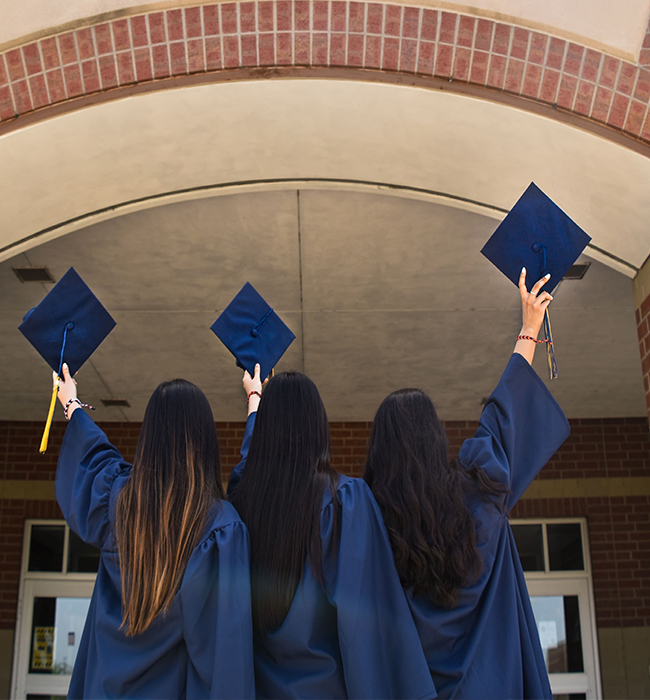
211,191
546,581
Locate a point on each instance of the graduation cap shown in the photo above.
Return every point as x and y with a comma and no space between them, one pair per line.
67,326
252,331
538,235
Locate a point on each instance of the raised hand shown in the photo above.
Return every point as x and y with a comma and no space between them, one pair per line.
533,307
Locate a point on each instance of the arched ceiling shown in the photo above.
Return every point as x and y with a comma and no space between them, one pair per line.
356,204
103,156
381,291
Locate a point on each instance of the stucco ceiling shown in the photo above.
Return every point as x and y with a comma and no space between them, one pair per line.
145,147
382,291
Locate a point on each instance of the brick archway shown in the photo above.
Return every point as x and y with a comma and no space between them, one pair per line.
377,41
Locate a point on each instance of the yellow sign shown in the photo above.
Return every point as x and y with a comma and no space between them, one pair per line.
42,649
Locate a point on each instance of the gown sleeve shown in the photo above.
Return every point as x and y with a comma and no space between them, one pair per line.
87,468
380,649
520,429
236,474
217,619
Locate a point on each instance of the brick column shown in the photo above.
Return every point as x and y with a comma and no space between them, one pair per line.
641,289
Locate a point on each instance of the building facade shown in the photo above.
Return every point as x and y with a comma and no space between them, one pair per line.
349,159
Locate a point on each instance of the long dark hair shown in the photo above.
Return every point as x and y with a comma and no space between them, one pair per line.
281,492
163,508
422,495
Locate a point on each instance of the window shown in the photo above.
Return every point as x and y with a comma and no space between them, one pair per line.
554,556
57,578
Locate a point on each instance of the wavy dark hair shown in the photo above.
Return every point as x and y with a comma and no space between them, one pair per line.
162,510
281,493
423,497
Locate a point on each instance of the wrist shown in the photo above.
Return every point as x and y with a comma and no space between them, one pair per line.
253,402
529,330
72,405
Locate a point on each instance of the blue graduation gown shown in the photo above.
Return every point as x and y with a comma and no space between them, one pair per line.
353,637
203,647
488,646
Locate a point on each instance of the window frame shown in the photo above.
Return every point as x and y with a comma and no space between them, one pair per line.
24,565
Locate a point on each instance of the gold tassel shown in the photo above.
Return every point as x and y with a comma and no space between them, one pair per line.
550,349
50,415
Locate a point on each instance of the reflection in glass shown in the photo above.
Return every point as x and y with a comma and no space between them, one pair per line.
57,626
82,557
565,547
46,548
530,545
558,624
42,646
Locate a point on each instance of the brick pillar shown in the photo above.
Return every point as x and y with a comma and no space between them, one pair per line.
641,289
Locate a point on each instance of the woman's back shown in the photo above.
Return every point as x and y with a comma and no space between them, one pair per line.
480,636
347,631
200,644
488,645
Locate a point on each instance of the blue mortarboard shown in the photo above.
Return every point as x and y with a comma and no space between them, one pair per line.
68,325
252,331
538,235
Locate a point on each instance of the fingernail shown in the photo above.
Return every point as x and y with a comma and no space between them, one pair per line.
551,297
65,365
547,276
523,269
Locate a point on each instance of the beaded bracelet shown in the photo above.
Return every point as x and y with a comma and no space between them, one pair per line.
75,400
248,398
530,337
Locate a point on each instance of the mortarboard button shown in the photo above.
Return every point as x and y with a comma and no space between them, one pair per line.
252,331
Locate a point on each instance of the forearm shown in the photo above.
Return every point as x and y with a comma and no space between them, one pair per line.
525,347
533,308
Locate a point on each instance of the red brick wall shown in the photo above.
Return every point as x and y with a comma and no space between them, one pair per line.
386,38
619,528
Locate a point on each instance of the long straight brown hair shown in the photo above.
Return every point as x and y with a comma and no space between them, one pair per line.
163,508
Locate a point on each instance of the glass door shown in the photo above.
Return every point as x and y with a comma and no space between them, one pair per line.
52,618
563,614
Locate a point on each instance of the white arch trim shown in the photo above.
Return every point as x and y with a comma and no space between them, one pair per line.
69,171
113,212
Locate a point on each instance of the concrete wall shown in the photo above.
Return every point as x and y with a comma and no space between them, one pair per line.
625,662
